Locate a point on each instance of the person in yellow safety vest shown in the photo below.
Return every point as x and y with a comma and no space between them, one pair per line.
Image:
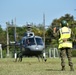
65,44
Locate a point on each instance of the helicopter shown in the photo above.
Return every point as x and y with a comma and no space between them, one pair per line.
31,45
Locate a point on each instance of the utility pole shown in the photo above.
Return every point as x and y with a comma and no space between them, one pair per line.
44,54
75,17
1,50
15,55
7,23
11,25
44,28
15,29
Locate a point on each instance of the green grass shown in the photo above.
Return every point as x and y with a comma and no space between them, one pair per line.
31,66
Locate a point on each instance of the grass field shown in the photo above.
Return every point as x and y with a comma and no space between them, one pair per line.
31,66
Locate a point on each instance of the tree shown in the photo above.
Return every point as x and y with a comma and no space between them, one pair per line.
2,37
56,23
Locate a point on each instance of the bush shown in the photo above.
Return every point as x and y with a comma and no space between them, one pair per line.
4,53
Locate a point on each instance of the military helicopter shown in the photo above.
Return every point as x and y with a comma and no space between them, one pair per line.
31,45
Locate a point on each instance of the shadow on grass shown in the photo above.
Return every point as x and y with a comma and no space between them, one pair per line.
52,70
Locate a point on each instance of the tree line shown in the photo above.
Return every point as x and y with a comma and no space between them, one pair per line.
39,30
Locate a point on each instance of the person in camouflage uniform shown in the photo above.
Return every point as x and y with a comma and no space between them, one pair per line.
65,44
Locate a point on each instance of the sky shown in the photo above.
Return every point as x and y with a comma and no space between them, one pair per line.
31,11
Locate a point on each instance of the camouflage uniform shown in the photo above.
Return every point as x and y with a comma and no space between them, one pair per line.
65,51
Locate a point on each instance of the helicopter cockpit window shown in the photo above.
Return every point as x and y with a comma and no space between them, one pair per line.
30,41
39,41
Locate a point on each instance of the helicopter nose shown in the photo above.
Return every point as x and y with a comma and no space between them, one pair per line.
37,48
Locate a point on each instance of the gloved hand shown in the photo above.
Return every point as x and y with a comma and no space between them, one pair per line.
54,30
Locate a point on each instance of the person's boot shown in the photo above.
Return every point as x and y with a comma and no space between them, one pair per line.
63,68
71,68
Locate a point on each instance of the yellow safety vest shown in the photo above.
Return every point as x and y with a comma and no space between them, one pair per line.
65,33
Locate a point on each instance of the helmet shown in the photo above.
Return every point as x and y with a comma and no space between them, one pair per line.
63,23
